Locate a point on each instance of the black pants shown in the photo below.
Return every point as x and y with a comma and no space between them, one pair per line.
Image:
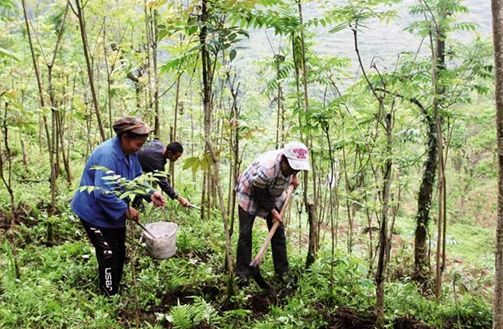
110,245
244,252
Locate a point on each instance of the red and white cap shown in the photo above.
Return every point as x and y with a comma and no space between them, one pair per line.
297,155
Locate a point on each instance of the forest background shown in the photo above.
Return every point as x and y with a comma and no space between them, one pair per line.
394,226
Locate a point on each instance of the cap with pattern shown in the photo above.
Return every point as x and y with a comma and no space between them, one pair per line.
297,155
132,124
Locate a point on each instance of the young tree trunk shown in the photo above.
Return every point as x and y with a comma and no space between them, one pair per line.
171,163
313,233
7,181
148,59
56,115
234,145
157,120
109,71
175,123
437,67
311,206
207,74
54,156
207,94
23,150
395,207
203,197
177,92
421,254
64,154
497,11
280,118
382,262
85,46
177,105
42,104
348,205
386,120
333,187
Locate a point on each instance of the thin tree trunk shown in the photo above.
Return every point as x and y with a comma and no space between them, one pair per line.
174,128
109,78
42,104
23,150
279,100
7,181
421,258
157,120
66,159
383,231
203,197
177,105
394,211
382,261
207,74
148,58
90,74
348,206
331,184
371,234
497,11
311,206
234,149
437,67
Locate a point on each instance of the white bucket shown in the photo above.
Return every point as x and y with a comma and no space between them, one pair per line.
163,246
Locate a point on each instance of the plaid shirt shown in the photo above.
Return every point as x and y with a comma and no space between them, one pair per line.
264,173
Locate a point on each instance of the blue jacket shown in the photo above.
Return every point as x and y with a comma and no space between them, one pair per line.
99,208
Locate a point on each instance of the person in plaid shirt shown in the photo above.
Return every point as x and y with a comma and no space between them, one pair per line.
261,191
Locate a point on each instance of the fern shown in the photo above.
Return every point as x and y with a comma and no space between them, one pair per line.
189,316
181,316
205,311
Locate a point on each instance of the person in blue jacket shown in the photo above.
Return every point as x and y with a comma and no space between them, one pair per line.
102,213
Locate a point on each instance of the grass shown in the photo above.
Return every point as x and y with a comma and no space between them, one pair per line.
57,285
474,244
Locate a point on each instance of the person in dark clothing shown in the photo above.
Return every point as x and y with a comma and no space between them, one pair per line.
153,159
102,213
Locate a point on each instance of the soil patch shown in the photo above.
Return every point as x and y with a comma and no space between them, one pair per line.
19,216
261,302
184,293
410,323
346,318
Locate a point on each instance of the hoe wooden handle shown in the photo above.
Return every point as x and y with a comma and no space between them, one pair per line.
256,261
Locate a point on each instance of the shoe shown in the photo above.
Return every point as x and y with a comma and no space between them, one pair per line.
242,281
287,280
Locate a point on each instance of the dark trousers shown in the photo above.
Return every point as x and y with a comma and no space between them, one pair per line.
244,252
110,245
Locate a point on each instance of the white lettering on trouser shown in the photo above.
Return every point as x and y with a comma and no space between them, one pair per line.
108,278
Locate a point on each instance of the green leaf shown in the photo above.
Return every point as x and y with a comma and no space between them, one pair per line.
111,177
192,30
7,53
189,162
162,34
338,28
155,4
126,194
232,54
